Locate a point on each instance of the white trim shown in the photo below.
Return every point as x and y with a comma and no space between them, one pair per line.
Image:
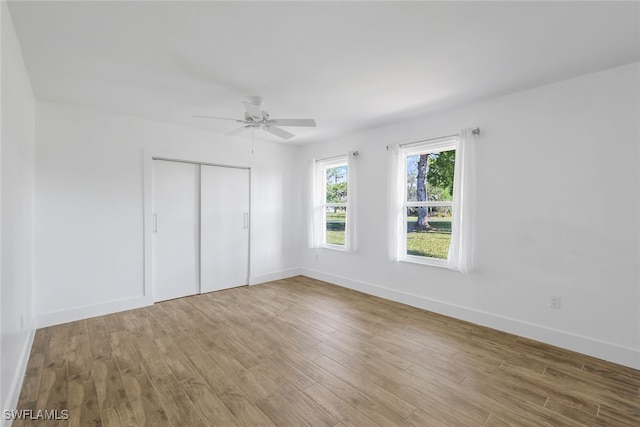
85,312
597,348
276,275
18,378
443,203
424,260
615,353
432,146
334,247
333,162
198,163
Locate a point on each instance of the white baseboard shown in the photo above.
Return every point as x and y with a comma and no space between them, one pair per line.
278,275
16,383
603,350
79,313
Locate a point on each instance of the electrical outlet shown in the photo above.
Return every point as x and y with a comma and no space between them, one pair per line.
556,302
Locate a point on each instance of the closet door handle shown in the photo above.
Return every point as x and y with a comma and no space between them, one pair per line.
155,223
246,220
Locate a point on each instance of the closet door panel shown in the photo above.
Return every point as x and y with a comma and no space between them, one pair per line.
176,230
224,246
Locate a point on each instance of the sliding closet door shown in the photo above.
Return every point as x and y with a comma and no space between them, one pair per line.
176,229
224,250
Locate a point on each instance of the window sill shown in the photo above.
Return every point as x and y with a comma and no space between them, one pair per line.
339,248
433,262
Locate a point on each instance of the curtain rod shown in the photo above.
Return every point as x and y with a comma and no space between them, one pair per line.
475,131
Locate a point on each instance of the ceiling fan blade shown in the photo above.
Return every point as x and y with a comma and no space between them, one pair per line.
237,131
294,122
279,132
253,110
218,118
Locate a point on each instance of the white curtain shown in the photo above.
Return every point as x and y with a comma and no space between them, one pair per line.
350,234
314,224
460,249
395,203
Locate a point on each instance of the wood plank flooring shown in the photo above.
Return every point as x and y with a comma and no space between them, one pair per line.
300,352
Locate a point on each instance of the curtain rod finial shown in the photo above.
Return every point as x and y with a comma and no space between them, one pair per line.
476,131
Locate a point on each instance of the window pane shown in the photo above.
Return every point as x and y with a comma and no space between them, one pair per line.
429,231
430,176
337,184
335,226
412,179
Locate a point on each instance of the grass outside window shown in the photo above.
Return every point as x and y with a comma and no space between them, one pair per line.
433,243
336,225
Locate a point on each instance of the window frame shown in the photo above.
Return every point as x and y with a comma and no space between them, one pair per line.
322,167
430,147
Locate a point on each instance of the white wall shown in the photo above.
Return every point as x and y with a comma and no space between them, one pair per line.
557,215
16,200
90,196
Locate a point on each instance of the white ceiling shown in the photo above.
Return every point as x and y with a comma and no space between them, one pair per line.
349,65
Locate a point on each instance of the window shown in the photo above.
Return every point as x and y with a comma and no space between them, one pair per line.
332,206
428,201
334,174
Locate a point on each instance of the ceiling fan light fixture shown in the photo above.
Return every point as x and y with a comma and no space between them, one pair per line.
255,117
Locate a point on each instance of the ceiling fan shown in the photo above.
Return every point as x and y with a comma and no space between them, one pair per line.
255,117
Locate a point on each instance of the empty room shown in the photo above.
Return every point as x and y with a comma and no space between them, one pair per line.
323,213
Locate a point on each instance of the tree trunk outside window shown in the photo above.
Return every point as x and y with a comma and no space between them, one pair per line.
422,223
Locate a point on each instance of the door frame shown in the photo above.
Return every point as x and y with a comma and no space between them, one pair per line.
147,216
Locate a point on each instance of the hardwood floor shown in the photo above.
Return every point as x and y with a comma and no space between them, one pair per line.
301,352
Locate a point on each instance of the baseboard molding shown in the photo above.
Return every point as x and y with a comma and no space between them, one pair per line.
278,275
79,313
16,383
603,350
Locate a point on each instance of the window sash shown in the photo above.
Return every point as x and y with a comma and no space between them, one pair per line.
323,166
429,204
326,244
448,144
